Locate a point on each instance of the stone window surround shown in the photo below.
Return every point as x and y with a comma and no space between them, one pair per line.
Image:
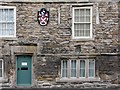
77,70
14,8
91,32
76,79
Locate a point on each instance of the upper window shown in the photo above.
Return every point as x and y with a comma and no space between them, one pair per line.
7,21
82,23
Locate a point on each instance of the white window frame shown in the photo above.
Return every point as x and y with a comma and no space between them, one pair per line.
2,69
14,8
73,21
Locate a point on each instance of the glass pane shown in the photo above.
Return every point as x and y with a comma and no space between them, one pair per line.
0,64
0,14
0,72
87,32
82,12
0,25
11,32
88,12
73,68
64,64
91,72
4,26
77,33
81,32
64,73
82,68
91,64
87,26
73,64
73,72
81,26
0,32
77,13
91,68
87,19
3,15
6,14
82,18
82,15
82,64
10,25
11,15
82,72
76,26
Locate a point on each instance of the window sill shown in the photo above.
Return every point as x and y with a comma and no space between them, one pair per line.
82,39
9,38
77,79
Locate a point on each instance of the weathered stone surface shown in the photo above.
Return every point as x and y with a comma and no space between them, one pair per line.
50,42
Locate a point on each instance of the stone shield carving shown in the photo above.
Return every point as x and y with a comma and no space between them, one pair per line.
43,17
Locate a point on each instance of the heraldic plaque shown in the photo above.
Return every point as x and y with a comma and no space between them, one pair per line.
43,17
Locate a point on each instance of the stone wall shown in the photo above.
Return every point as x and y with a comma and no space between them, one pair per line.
55,40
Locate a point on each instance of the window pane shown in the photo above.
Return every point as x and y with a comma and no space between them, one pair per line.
76,15
91,68
0,64
4,26
73,72
88,12
82,63
0,72
81,32
91,72
73,68
64,64
64,68
82,12
73,64
82,72
11,15
87,26
0,14
87,33
91,64
64,73
82,68
87,18
0,25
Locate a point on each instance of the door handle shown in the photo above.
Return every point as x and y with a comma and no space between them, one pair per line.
18,69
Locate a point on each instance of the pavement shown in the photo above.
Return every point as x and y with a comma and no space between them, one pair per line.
60,89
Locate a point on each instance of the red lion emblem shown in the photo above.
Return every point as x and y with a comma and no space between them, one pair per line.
43,17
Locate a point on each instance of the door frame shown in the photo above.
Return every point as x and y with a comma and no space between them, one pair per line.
16,70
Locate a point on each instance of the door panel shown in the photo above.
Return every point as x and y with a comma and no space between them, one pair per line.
23,69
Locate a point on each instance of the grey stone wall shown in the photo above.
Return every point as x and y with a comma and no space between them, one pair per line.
55,40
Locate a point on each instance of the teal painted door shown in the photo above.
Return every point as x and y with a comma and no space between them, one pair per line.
24,70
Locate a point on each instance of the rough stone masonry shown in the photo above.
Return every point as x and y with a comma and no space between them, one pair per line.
52,43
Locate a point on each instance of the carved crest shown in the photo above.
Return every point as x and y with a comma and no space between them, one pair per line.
43,17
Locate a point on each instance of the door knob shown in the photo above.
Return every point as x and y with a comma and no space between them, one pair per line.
18,69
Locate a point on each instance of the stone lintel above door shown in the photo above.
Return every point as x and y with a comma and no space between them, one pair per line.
23,49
